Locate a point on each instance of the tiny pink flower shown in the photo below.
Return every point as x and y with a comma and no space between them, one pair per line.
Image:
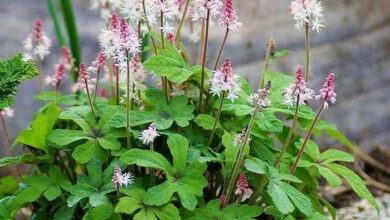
224,80
242,186
84,78
148,136
67,58
229,17
121,179
298,88
98,63
7,112
128,39
222,198
171,38
37,44
57,77
160,174
327,92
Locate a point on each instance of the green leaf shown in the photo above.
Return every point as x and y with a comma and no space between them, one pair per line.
110,143
101,212
162,114
52,193
85,152
355,182
206,122
147,158
332,155
268,122
178,145
169,63
311,148
62,137
331,177
212,211
25,158
280,198
35,136
134,203
256,165
64,213
280,53
300,200
12,72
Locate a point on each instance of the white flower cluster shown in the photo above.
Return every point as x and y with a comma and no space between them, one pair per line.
307,11
224,80
148,135
7,112
122,179
298,88
37,44
260,99
200,8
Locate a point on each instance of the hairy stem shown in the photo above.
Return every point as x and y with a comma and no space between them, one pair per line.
204,61
308,135
128,135
307,45
117,93
111,77
290,133
266,64
239,159
183,18
90,101
216,120
97,85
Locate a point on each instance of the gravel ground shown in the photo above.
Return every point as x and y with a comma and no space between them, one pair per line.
362,210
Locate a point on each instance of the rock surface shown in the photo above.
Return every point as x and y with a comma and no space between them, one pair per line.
355,45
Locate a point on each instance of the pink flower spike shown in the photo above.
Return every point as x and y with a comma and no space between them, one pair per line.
229,17
224,80
66,58
242,185
129,41
114,23
37,44
299,87
327,92
84,77
57,77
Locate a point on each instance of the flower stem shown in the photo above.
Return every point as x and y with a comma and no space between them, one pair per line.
149,28
216,120
162,29
204,61
259,190
151,169
128,105
117,93
40,80
308,135
89,99
97,85
290,133
208,97
307,45
239,158
111,78
164,79
266,64
183,18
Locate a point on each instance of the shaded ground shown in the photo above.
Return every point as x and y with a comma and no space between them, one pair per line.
355,45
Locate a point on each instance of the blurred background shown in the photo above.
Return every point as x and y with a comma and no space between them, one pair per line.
355,45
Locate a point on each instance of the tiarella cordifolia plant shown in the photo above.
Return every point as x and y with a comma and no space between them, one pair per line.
150,133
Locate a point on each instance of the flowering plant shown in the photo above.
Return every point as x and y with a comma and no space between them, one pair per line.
192,143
